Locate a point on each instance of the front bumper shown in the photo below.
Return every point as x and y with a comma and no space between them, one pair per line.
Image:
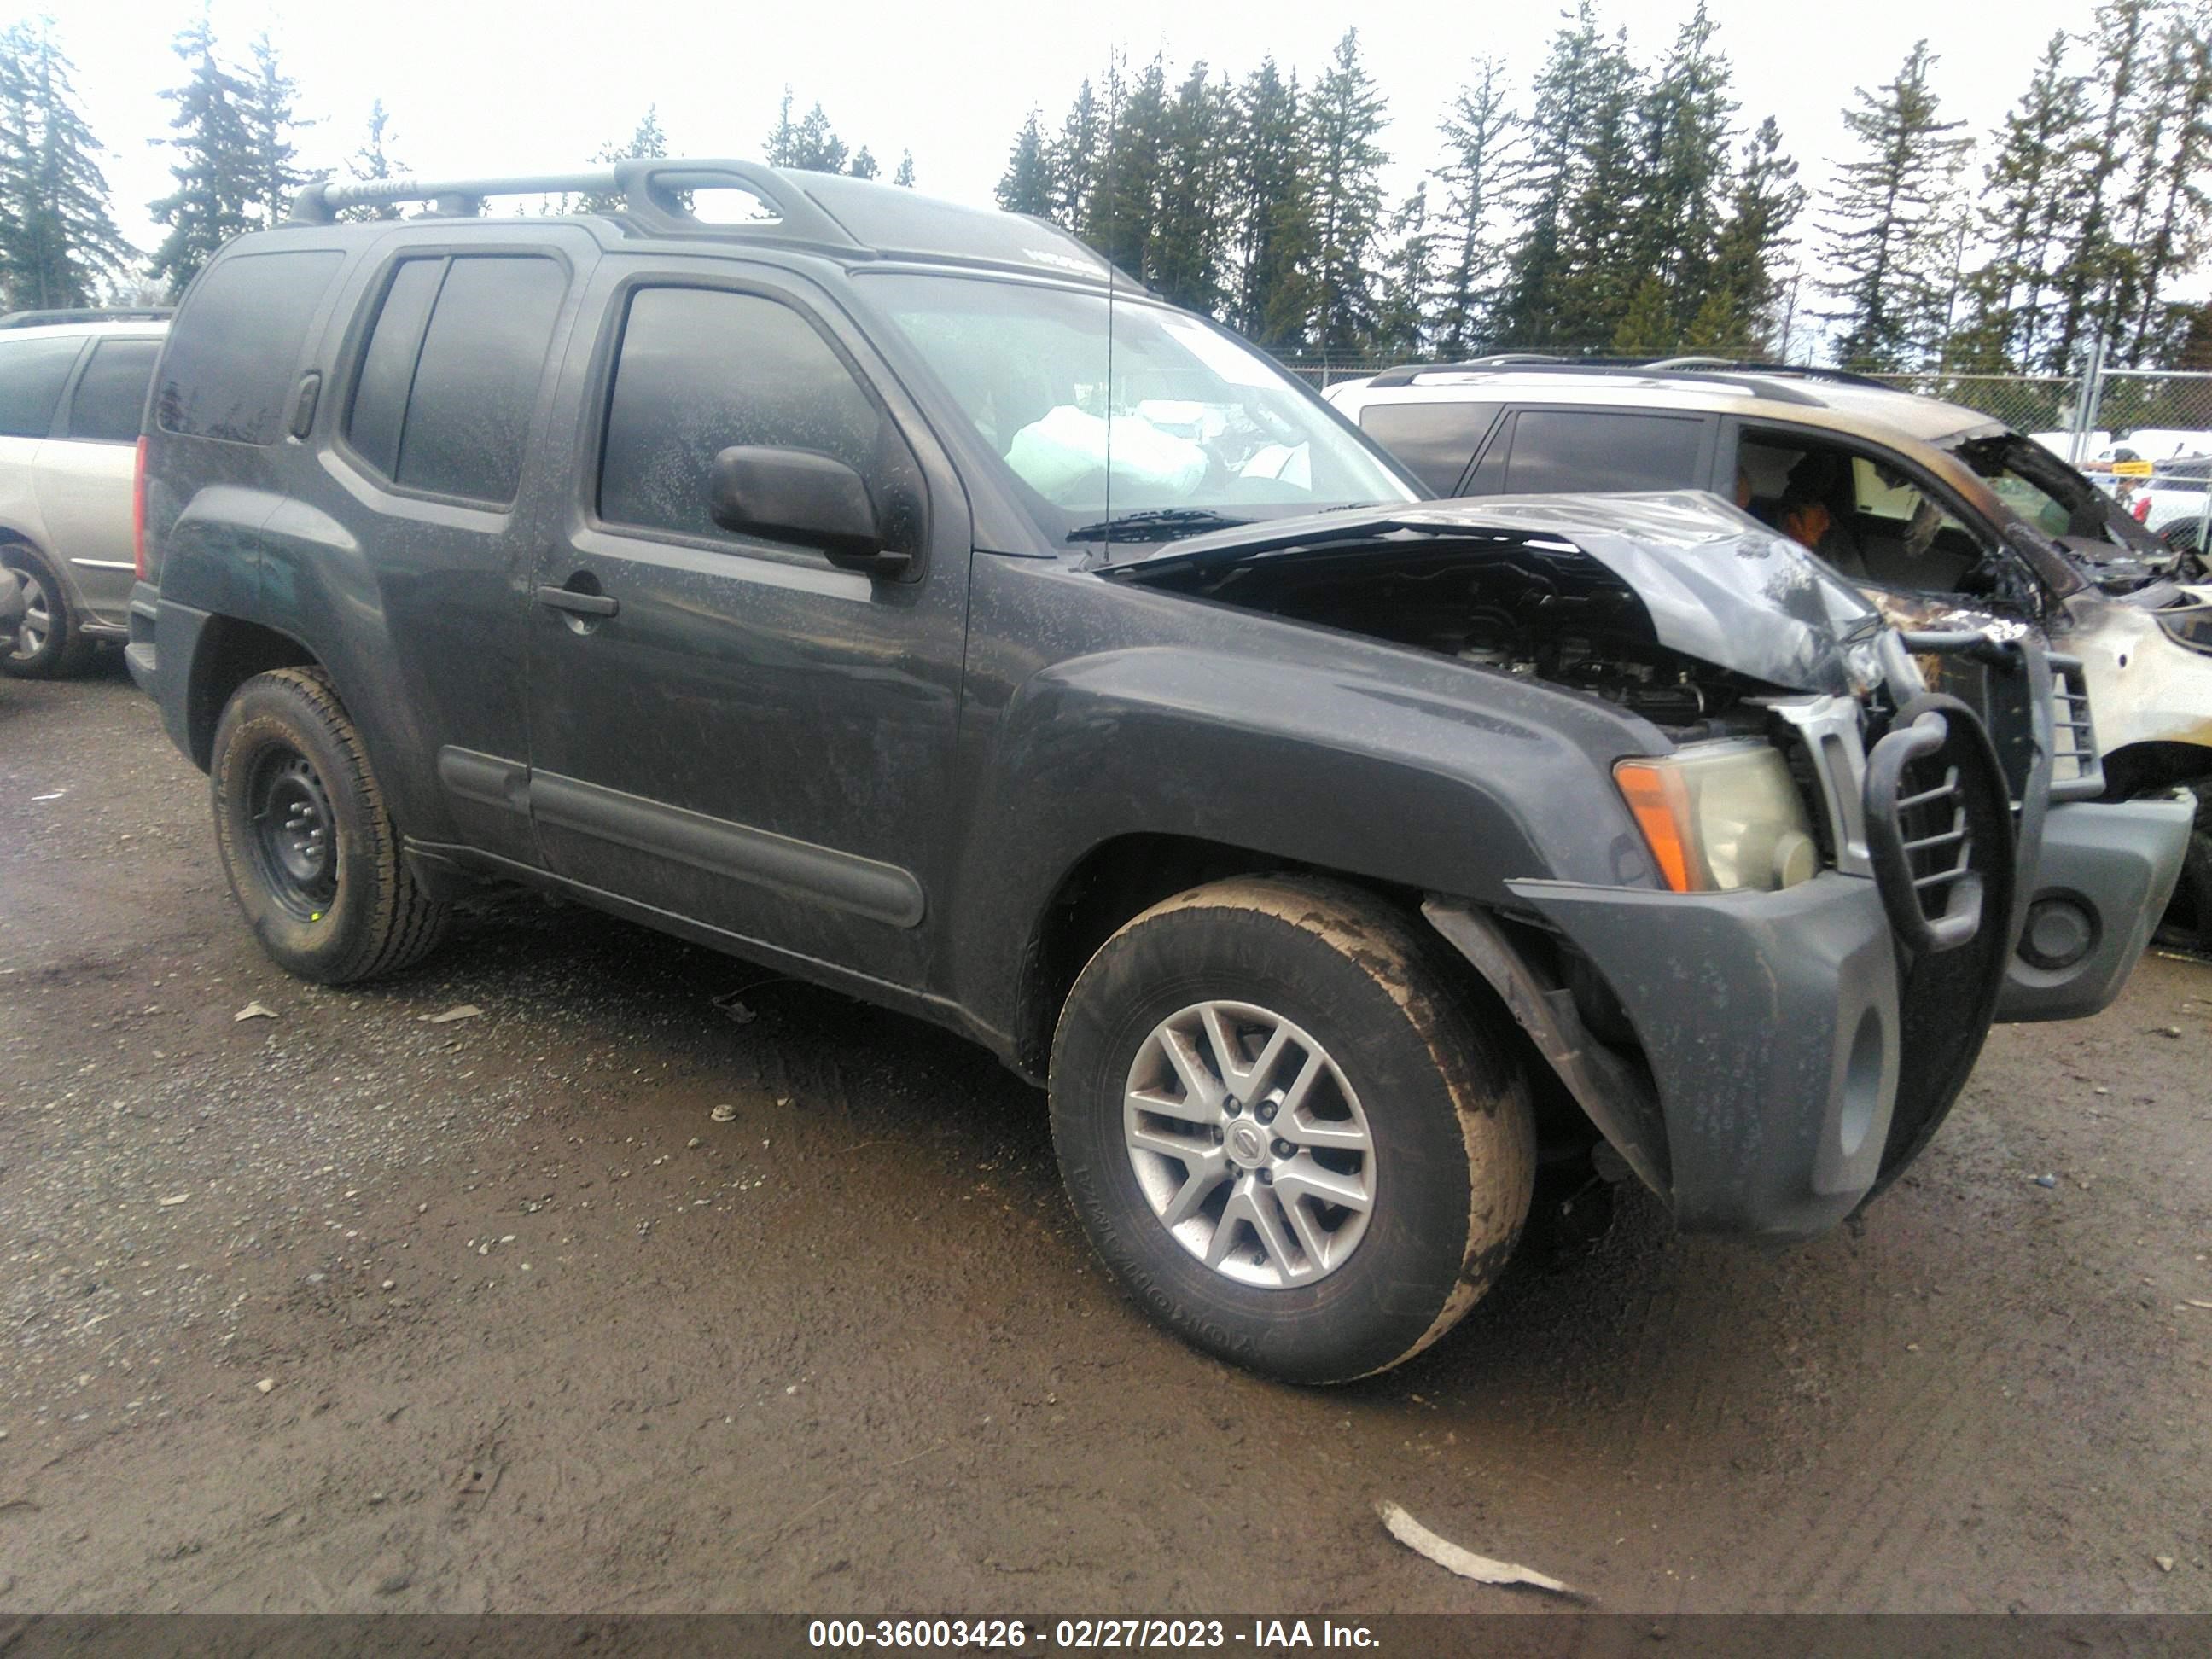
1769,1025
2105,873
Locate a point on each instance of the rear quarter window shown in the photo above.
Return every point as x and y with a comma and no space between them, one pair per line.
233,349
32,375
110,394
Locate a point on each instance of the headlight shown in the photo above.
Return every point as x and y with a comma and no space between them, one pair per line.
1722,815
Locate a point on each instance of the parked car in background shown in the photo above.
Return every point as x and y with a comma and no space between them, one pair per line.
72,393
1941,516
883,589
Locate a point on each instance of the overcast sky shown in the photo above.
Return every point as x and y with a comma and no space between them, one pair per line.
489,87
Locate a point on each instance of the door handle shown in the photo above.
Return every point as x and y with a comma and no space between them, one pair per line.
584,604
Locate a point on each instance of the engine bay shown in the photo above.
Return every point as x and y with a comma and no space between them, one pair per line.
1533,608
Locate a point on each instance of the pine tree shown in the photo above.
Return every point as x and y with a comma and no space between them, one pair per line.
1123,222
1269,204
373,161
1192,229
1646,328
2027,189
1344,118
1738,313
58,234
1027,184
2095,267
216,166
1891,285
782,139
1600,267
1530,309
1685,130
1072,161
1409,279
2175,189
815,145
267,107
904,177
1477,130
864,165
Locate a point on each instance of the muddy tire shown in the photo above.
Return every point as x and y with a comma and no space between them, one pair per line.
1284,1130
51,643
306,839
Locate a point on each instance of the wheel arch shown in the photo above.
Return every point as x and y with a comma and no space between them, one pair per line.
227,653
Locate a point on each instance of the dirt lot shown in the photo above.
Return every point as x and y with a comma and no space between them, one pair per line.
347,1309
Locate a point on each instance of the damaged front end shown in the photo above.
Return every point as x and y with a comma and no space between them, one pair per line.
1775,1024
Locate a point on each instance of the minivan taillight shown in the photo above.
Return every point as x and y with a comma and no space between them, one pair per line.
138,510
2141,509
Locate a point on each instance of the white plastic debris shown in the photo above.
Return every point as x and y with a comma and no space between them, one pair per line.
459,1010
1466,1563
172,1198
252,1011
725,1112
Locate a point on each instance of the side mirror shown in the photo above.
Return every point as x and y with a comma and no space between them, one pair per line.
797,495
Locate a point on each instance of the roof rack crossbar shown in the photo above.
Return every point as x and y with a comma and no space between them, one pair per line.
652,190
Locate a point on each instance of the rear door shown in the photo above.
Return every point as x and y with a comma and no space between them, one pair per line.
450,363
726,728
84,473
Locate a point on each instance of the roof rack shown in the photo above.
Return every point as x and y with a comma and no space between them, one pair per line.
654,193
1412,373
88,314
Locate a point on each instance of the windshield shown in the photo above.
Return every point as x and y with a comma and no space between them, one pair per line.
1169,427
2044,492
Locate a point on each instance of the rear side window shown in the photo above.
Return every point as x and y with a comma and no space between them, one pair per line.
111,393
32,373
234,351
450,375
701,370
1562,449
1435,440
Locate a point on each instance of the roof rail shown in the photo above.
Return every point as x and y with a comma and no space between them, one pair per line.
1407,373
1753,383
88,314
653,191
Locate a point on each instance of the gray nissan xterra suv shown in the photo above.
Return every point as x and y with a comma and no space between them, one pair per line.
891,592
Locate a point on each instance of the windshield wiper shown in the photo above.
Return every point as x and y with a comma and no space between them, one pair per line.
1161,524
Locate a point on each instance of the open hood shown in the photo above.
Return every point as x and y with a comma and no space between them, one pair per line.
1684,569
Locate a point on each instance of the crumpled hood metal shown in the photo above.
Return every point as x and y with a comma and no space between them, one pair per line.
1719,586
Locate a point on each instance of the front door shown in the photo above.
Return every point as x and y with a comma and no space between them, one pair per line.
726,728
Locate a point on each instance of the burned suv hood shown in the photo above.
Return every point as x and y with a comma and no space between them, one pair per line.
1716,585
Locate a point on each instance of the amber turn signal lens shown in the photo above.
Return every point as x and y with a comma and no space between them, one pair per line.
1656,796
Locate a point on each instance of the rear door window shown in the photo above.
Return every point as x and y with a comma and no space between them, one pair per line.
32,375
1435,440
234,349
450,375
110,399
701,370
1556,450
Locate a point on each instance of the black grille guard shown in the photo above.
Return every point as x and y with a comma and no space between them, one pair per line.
1948,844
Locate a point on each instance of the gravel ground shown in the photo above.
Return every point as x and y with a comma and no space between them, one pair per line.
349,1309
